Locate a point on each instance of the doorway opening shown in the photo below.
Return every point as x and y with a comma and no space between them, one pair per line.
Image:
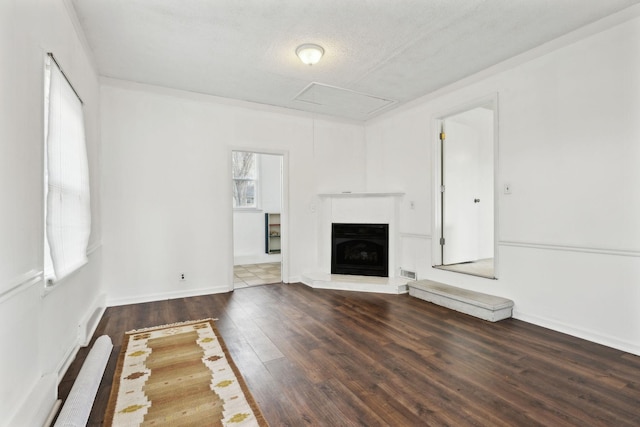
465,217
257,183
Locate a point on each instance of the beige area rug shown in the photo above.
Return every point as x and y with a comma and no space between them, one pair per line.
179,375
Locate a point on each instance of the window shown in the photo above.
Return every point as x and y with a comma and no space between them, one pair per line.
66,174
245,179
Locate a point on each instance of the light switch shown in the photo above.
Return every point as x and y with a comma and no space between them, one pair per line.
507,189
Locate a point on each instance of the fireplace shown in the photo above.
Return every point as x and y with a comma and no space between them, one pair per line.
360,249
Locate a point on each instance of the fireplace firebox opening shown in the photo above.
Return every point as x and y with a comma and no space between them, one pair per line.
360,249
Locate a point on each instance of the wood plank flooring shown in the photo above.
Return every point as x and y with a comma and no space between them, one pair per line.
336,358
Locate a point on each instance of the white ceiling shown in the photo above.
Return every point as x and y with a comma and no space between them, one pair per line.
378,53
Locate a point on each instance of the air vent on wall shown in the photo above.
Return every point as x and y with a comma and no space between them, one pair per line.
343,102
408,274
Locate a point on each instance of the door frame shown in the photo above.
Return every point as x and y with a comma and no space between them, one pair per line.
436,226
284,208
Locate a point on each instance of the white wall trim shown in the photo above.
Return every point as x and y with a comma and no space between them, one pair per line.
214,99
87,327
585,334
569,248
21,283
66,361
167,295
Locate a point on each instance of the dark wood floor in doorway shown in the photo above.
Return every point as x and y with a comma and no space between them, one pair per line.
335,358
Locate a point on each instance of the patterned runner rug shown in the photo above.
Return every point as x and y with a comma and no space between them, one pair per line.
179,375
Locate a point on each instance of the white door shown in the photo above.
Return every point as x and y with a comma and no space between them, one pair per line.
461,201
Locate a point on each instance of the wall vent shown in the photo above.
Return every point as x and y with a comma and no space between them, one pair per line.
408,274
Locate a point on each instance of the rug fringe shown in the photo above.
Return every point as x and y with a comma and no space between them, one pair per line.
170,325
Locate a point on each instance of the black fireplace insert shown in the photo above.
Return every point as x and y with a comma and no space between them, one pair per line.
360,249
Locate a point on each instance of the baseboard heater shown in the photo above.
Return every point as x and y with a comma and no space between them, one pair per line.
77,408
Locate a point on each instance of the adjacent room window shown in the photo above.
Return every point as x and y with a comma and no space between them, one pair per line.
245,179
66,175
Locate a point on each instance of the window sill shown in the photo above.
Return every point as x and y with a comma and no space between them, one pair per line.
247,210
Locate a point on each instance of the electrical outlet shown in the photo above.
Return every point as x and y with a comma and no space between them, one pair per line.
183,277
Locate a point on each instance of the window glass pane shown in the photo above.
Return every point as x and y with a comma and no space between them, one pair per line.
244,193
245,175
244,165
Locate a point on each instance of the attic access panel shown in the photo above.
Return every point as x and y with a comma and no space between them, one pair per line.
333,100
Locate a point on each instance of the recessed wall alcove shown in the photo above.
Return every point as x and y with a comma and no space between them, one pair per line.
357,208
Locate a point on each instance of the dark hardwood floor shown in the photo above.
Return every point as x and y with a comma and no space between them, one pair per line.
335,358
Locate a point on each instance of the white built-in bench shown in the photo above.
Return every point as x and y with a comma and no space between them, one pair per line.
484,306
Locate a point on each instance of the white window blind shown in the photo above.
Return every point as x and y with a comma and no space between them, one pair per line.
67,207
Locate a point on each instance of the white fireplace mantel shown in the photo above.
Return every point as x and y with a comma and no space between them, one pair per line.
358,208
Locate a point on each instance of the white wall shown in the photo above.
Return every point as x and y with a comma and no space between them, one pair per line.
569,234
167,193
248,225
40,333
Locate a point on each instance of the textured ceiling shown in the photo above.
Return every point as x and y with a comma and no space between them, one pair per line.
378,51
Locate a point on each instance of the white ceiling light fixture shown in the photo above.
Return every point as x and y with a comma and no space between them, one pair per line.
309,53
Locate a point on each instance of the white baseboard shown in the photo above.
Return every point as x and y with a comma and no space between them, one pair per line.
584,334
86,329
167,295
89,323
52,413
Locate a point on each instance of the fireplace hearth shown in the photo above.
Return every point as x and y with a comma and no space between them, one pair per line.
360,249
